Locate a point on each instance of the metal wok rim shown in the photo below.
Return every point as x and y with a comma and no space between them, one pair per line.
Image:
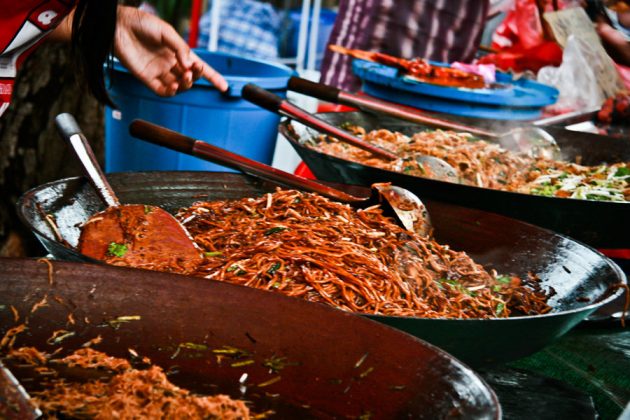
592,306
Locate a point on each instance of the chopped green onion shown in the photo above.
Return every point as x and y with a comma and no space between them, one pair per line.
213,253
274,268
500,308
194,346
623,171
117,250
115,323
275,230
366,372
504,279
243,363
269,382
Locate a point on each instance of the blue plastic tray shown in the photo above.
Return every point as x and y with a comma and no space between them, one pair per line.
513,99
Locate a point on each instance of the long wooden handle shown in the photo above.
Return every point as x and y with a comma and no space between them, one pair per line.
274,103
313,89
408,113
162,136
332,94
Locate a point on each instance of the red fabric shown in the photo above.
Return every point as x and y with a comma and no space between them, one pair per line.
519,59
23,24
520,39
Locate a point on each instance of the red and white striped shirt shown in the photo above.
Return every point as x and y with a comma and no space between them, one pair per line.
23,24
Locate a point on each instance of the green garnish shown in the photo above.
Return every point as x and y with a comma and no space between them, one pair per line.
213,253
115,323
504,279
232,268
546,190
147,209
408,169
366,372
277,363
275,230
59,336
269,382
117,250
243,363
193,346
623,171
500,308
233,352
455,285
274,268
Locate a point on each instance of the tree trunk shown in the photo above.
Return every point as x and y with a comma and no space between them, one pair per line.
31,151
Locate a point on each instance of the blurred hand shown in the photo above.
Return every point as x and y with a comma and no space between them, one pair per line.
155,53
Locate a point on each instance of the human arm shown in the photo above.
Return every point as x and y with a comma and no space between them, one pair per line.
617,45
153,52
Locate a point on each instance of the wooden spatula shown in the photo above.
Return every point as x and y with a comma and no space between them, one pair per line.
137,235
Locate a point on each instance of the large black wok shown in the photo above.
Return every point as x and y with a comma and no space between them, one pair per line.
599,224
406,377
580,275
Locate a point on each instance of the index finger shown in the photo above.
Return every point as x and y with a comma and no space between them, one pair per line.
210,74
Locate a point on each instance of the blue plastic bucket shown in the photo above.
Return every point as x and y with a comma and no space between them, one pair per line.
227,121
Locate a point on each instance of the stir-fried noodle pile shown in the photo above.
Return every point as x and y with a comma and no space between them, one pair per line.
305,245
118,390
487,165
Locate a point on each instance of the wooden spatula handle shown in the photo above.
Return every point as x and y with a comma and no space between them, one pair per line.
173,140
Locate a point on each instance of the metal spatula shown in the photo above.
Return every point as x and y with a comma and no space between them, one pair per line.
141,235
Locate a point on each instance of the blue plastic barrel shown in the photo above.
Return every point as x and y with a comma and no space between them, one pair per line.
227,121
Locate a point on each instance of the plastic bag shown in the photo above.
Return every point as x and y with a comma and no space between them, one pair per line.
576,77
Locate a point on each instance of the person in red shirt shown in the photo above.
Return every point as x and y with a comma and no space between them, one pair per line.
149,47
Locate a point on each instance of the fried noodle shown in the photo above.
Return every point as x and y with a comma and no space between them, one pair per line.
485,164
304,245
